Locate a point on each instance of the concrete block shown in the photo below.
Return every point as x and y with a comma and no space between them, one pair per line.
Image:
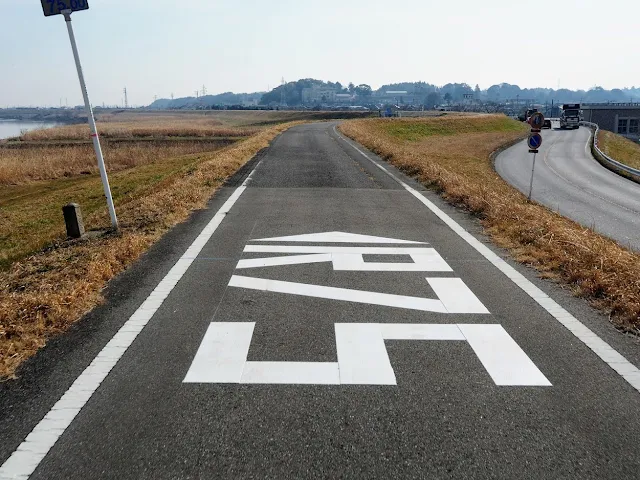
73,220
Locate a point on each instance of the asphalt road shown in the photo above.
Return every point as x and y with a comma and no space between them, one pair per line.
570,181
384,340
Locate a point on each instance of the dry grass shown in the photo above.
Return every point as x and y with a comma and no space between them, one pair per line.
460,167
19,166
40,296
157,127
619,148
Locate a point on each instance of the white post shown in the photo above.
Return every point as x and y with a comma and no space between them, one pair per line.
92,122
531,183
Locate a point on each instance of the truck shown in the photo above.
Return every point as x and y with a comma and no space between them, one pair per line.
527,112
570,117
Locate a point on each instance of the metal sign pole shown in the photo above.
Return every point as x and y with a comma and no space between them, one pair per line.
92,122
531,183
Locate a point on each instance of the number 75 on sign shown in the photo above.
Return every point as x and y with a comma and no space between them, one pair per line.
55,7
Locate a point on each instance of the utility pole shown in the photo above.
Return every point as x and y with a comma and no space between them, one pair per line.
282,95
92,122
126,99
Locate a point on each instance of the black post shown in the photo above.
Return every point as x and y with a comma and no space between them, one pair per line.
73,220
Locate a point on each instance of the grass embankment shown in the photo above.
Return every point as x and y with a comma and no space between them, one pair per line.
619,148
42,294
452,154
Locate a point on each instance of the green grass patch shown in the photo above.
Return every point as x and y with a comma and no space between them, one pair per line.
31,216
620,148
417,129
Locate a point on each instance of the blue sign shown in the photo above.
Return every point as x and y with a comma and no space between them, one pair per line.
534,141
55,7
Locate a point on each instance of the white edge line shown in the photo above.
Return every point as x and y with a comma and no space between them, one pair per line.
26,458
630,373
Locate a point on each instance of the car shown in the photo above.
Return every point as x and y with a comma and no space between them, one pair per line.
547,123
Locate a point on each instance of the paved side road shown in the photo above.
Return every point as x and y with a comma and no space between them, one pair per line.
570,181
327,318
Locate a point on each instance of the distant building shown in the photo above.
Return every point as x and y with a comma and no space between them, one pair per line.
394,97
343,98
317,95
622,118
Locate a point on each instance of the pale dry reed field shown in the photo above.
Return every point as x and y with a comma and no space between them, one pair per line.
20,166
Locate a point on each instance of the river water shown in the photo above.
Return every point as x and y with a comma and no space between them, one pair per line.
13,128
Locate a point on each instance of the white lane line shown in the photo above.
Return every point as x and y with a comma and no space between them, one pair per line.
504,360
622,366
335,237
26,458
222,353
334,293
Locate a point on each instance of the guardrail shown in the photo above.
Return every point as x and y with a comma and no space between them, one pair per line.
606,160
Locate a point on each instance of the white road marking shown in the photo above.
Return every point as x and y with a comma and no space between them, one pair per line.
26,458
501,356
362,356
424,260
459,299
334,237
288,260
621,365
222,353
329,249
456,296
334,293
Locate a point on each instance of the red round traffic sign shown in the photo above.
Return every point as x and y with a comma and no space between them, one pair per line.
536,121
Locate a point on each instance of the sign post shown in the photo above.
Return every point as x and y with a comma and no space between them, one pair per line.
534,142
66,7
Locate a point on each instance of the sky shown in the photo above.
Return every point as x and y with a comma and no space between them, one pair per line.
160,47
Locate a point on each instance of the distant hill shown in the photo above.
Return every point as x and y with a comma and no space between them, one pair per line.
425,93
208,101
